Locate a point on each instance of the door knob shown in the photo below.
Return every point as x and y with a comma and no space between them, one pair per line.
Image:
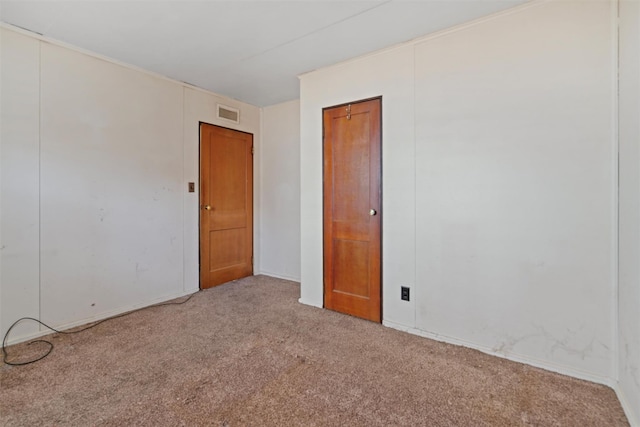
372,212
206,207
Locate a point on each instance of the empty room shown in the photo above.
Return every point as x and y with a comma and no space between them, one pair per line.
320,213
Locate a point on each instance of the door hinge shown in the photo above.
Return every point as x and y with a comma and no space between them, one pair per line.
252,150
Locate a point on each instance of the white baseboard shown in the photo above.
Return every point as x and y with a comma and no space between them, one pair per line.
101,316
631,411
279,276
527,360
301,301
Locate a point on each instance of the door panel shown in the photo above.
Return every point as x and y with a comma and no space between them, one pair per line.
352,201
226,201
351,255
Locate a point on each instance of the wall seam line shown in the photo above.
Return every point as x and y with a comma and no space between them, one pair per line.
184,196
257,267
616,190
415,193
40,328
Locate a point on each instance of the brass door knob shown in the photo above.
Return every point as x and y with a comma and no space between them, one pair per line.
206,207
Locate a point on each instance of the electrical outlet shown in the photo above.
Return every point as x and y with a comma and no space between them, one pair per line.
404,293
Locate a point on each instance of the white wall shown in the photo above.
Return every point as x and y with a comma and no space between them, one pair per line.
629,266
514,142
498,183
96,156
280,184
111,186
20,181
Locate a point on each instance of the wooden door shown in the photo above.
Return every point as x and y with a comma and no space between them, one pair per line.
352,202
226,205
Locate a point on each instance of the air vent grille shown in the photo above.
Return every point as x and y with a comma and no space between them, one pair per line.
228,113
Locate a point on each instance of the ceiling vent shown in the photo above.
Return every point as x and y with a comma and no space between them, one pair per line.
228,113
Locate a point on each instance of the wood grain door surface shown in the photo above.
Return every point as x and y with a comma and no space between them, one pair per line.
226,205
352,203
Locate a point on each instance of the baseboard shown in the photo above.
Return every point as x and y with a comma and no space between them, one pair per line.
514,357
302,301
279,276
632,412
101,316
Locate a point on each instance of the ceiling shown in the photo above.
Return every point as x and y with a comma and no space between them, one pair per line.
252,51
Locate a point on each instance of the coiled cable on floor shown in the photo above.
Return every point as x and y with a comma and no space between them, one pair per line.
5,355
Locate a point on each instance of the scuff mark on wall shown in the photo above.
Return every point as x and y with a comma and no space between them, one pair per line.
566,343
140,270
506,346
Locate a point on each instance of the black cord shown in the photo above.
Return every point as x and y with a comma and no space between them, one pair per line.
5,356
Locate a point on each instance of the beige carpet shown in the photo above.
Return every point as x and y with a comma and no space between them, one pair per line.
247,353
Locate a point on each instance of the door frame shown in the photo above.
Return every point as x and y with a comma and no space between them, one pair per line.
380,195
253,219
